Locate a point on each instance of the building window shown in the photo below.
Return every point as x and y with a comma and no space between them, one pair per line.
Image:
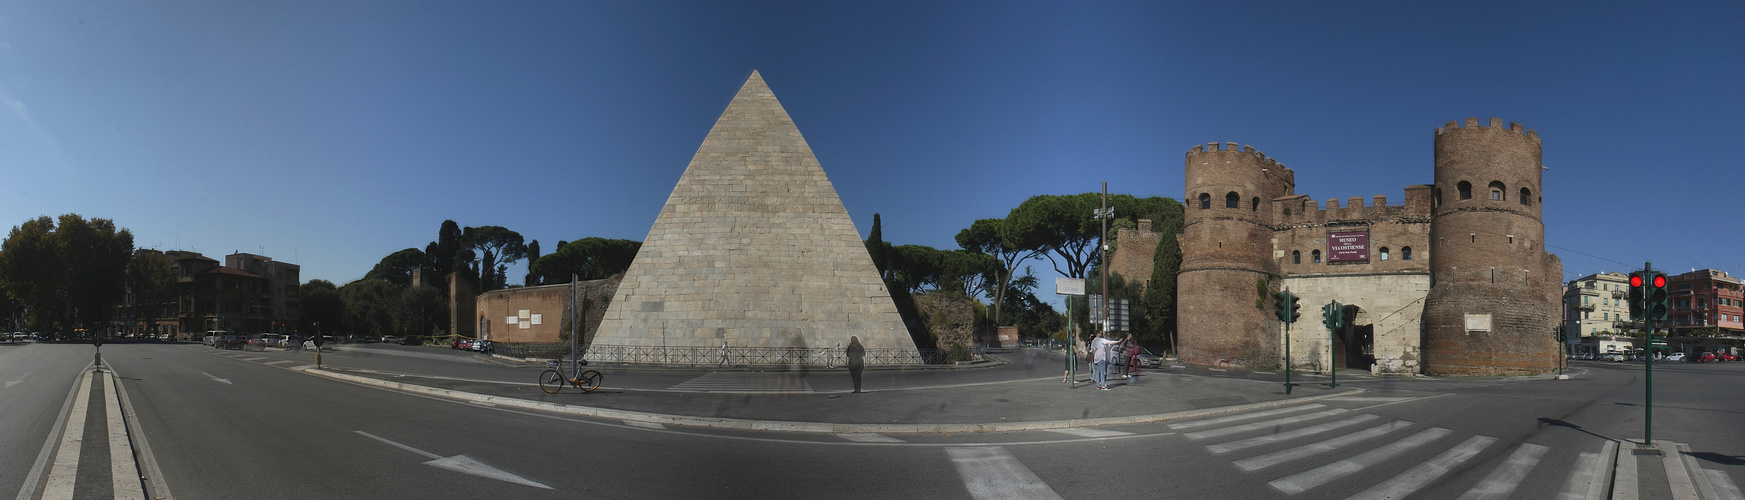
1316,256
1496,190
1405,253
1231,200
1384,253
1296,256
1605,316
1205,200
1465,190
1526,196
1256,206
1436,199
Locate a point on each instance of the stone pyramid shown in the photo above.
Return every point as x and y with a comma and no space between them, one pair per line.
754,249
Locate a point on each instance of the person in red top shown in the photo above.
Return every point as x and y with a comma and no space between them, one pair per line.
1132,356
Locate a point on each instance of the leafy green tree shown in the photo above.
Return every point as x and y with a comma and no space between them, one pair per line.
1064,229
73,270
496,246
150,279
370,306
1160,290
968,272
397,267
321,304
588,258
997,239
423,309
532,256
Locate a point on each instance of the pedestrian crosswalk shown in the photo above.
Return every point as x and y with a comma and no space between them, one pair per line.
1332,446
746,382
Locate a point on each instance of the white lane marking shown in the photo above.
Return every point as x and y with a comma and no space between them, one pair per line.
216,379
1412,479
869,438
1503,481
1675,472
460,463
482,403
1587,480
992,473
1385,399
282,361
426,454
123,471
1303,481
20,380
251,358
1725,489
65,472
150,474
1701,477
302,367
1312,449
1624,484
1285,436
1244,416
1090,433
645,425
1263,425
28,492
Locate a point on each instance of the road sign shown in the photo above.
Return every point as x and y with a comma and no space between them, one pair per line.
1069,286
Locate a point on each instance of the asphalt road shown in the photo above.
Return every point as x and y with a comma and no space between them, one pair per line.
250,425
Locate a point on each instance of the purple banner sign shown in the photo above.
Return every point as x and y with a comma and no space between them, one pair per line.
1348,247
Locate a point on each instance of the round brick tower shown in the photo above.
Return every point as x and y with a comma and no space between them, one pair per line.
1226,251
1492,306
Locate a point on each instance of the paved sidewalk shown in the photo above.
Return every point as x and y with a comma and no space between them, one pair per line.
1028,396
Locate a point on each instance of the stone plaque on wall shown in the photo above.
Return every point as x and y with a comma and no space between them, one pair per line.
1478,323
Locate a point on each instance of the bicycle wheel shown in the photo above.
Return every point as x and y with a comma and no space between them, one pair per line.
551,381
589,380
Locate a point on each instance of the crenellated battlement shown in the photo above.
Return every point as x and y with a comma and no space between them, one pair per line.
1300,210
1230,147
1472,122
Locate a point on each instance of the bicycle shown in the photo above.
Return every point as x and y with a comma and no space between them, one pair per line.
553,379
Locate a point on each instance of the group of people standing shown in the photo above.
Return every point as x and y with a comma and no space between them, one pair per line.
1101,351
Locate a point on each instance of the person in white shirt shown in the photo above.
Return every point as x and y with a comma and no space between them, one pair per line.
1100,364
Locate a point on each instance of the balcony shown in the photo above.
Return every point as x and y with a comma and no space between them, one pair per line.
1584,307
1618,294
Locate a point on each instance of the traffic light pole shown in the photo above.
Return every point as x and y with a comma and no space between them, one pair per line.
1648,396
1287,352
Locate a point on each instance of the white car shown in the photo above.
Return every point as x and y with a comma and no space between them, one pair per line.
1615,357
1677,356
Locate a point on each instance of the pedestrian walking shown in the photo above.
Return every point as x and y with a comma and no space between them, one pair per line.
856,360
1100,361
1132,356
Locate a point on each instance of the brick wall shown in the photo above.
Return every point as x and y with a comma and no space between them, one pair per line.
1135,252
547,302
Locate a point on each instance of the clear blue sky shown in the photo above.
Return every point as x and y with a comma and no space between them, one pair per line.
332,133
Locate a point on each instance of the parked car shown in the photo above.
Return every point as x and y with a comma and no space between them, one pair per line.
1707,357
409,340
292,341
270,340
1725,356
482,346
1677,356
1615,357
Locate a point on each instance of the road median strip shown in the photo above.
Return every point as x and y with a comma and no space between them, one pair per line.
814,427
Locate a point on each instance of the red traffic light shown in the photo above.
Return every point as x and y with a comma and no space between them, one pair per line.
1659,281
1635,280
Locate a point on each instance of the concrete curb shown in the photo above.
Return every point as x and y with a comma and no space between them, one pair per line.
817,427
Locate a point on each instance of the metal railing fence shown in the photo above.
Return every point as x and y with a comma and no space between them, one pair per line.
735,356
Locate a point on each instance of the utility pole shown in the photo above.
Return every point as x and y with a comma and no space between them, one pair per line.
1103,246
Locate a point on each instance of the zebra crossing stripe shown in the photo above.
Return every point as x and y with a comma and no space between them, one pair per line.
1285,436
1327,473
1588,479
1503,481
1312,449
1410,480
1225,431
282,361
1725,489
1090,433
992,473
1245,416
869,438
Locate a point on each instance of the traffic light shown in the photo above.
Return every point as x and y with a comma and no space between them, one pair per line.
1281,305
1333,315
1636,295
1655,308
1285,303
